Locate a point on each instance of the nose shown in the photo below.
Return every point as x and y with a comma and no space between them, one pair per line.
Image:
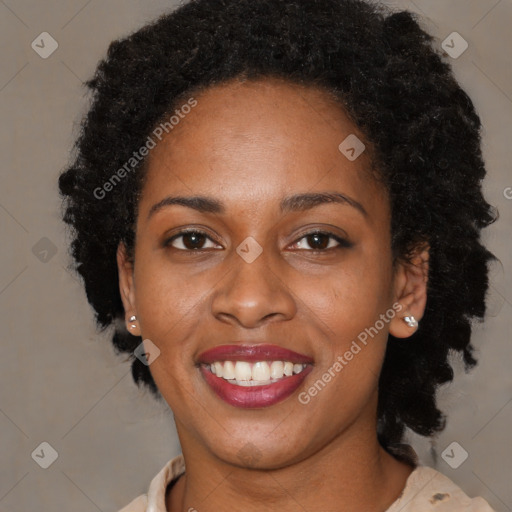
252,294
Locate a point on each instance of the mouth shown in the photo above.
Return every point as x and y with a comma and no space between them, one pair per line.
253,376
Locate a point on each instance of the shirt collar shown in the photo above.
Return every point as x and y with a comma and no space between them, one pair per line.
158,486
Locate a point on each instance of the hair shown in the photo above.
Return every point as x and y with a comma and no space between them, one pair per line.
393,84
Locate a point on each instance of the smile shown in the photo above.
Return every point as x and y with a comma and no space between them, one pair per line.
245,373
253,376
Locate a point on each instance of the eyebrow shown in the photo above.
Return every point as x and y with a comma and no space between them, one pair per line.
294,203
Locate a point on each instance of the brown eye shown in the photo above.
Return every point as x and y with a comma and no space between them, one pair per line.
322,241
318,240
192,240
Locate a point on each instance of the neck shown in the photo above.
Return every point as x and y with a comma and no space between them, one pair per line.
353,469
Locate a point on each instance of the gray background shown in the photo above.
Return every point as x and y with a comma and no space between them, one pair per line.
61,382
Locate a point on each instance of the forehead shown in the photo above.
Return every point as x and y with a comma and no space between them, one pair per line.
255,141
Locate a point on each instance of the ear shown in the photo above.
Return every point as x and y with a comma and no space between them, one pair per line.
410,291
127,289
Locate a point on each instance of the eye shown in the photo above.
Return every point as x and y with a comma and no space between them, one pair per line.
323,240
193,240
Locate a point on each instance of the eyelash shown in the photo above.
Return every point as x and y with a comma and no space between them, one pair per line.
343,243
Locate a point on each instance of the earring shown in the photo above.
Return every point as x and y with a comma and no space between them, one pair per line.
410,321
132,319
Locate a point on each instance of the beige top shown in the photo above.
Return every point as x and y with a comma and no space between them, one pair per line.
426,490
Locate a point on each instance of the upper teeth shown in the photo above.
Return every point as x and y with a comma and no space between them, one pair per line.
260,372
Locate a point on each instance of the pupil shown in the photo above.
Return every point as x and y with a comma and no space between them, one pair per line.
194,236
315,237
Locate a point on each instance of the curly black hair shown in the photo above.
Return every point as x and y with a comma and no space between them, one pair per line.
394,84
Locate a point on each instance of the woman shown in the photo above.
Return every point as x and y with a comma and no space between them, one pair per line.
278,206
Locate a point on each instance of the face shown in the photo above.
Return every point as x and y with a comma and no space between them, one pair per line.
259,268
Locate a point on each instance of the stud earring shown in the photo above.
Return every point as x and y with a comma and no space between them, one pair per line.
132,319
410,321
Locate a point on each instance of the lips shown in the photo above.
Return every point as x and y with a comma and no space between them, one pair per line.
252,353
254,396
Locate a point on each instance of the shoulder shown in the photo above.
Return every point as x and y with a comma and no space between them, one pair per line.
154,499
139,504
428,490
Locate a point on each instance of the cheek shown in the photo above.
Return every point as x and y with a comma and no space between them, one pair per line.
168,300
344,314
169,305
347,299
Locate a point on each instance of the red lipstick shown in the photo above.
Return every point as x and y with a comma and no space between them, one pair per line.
251,353
257,396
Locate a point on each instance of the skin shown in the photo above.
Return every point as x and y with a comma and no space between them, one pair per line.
248,145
